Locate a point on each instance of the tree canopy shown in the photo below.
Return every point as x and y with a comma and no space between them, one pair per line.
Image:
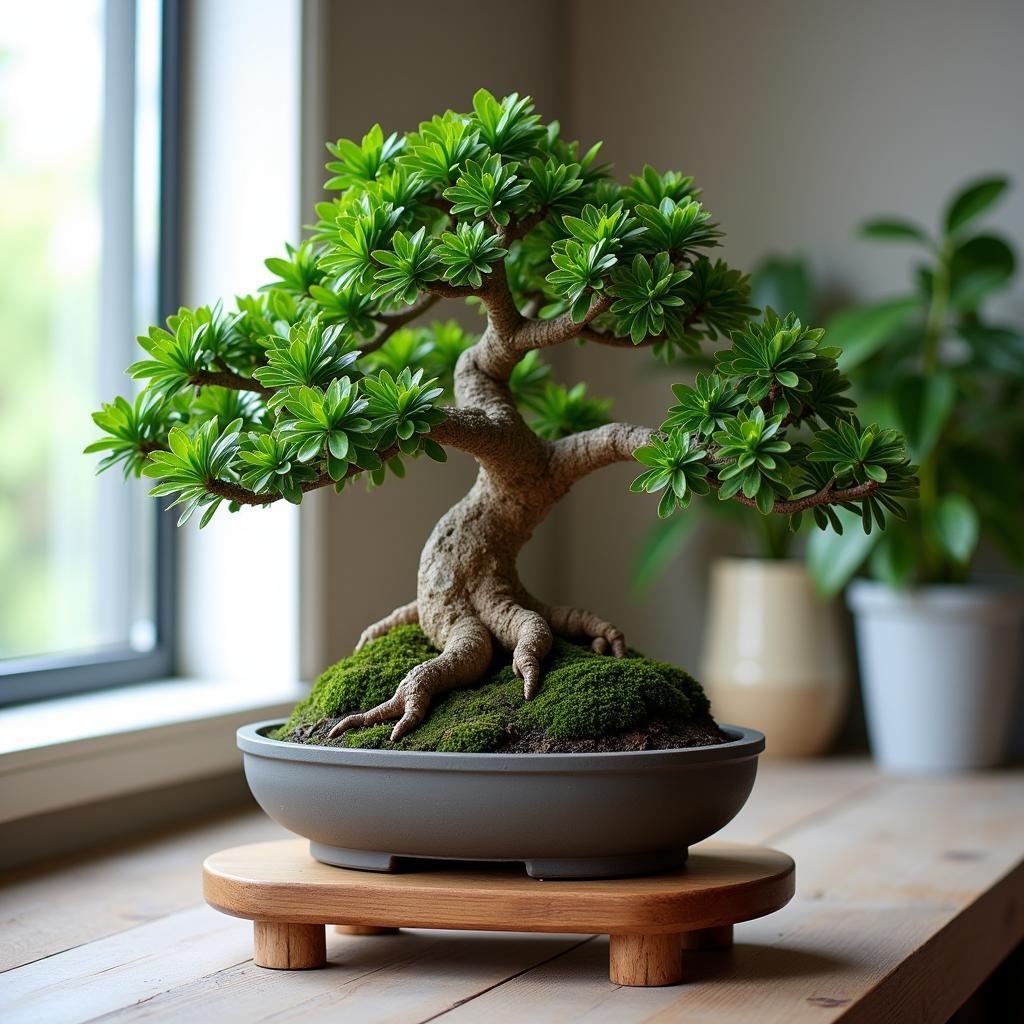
321,377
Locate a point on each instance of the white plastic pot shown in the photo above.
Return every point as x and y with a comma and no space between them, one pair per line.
773,655
939,668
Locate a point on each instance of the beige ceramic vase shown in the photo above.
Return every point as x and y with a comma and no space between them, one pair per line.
773,655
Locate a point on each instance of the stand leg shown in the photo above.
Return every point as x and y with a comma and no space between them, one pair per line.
290,947
645,960
709,938
363,929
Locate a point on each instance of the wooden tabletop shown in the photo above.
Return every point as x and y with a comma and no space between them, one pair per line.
909,893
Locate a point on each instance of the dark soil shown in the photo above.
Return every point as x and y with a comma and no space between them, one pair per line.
656,736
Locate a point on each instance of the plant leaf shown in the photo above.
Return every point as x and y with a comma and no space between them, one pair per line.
661,544
893,229
955,525
973,201
834,558
923,406
860,332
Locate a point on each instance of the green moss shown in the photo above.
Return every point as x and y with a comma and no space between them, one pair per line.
583,695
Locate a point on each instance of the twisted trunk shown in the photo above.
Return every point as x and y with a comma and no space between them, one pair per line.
469,595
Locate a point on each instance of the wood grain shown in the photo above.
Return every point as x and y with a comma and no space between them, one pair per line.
279,881
645,960
288,947
910,892
75,900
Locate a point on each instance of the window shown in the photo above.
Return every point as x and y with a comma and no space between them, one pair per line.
88,109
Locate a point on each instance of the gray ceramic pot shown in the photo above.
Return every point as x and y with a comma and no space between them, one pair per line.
563,815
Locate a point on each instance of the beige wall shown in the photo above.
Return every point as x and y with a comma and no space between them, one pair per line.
798,117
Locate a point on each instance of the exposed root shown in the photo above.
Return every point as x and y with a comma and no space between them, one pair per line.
406,615
579,624
522,631
466,655
504,612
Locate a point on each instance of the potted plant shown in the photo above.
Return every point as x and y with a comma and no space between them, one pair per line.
939,648
477,720
773,652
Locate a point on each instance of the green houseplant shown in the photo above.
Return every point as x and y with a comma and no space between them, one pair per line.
938,650
315,382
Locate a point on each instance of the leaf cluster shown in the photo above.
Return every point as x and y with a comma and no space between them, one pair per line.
321,383
732,423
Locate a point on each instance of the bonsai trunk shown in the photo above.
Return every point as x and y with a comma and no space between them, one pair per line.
469,595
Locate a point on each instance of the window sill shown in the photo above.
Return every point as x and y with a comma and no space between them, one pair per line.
59,753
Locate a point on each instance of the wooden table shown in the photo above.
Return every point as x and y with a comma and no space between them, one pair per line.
909,893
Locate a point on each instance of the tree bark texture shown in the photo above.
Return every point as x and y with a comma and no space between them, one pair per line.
469,596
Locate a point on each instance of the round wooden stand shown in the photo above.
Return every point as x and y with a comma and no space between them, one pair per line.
290,897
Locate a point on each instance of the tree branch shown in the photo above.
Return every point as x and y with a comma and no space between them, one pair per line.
228,379
578,455
520,228
469,430
502,311
473,431
450,291
403,316
826,496
394,321
243,496
545,333
613,341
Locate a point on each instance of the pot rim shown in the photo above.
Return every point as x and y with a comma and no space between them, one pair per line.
787,564
746,743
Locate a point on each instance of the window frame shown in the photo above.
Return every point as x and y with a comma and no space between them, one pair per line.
44,676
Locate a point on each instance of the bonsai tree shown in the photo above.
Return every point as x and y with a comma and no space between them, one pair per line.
317,380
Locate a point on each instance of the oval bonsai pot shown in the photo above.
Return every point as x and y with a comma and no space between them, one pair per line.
563,815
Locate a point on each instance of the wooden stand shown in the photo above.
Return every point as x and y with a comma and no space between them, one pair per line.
290,897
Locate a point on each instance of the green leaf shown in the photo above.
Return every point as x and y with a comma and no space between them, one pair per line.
559,412
896,556
973,201
863,330
923,406
980,265
434,450
359,164
834,558
783,284
659,547
469,253
667,504
486,189
893,229
956,528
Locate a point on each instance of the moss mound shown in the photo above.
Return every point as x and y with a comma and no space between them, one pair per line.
583,697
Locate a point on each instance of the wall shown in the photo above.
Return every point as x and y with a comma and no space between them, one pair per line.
799,118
